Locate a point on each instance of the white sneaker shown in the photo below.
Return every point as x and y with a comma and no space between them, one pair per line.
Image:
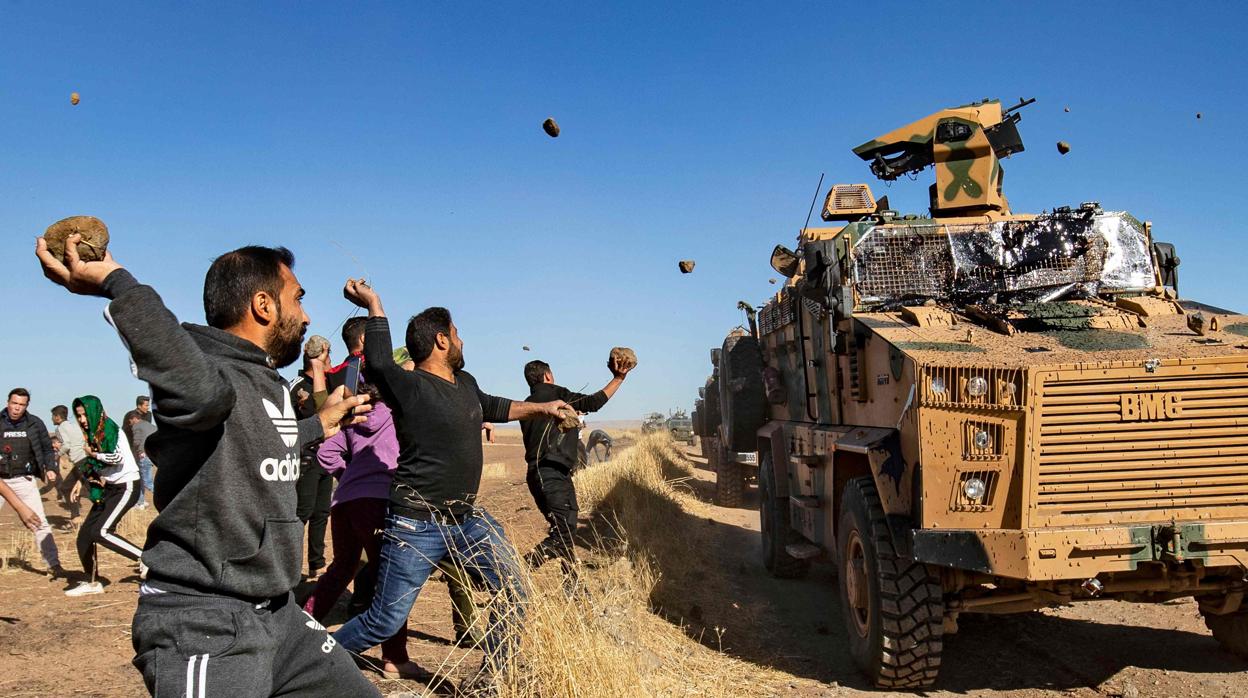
85,588
142,570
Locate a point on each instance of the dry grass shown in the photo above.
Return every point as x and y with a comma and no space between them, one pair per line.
133,526
608,638
17,550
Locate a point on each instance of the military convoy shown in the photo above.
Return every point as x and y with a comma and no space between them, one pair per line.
730,451
978,411
677,424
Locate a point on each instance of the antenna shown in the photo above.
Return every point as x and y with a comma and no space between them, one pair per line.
818,188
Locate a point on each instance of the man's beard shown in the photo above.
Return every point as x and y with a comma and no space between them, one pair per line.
455,358
285,342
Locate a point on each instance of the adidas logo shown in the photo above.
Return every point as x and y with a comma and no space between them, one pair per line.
312,622
284,420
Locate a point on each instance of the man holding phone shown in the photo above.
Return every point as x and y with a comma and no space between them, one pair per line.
316,487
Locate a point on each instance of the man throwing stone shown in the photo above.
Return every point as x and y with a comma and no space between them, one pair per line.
552,456
216,616
438,410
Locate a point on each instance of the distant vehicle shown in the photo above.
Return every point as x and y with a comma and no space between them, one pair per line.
730,448
655,421
977,411
680,426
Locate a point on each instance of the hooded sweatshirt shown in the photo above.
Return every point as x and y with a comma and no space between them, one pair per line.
363,457
227,451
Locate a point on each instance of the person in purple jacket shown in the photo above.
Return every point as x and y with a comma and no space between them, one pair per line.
363,458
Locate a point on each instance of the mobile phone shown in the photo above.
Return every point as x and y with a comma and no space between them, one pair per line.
351,376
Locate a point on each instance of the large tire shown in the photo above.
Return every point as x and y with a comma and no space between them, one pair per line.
773,517
699,411
711,416
1230,630
729,480
893,607
742,399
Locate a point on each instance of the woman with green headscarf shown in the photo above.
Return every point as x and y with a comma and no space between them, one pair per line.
113,476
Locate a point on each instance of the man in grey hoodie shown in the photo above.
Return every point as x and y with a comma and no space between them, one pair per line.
215,614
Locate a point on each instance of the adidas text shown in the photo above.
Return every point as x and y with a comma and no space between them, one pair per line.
284,470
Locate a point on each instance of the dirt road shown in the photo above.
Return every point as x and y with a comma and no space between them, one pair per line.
1106,648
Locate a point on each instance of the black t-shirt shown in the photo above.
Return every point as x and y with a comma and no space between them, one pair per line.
542,438
439,428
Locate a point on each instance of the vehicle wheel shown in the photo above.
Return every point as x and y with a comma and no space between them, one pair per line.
711,415
729,478
893,608
1230,630
773,515
742,400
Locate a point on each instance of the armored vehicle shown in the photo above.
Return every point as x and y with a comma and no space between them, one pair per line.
730,451
980,411
680,426
655,421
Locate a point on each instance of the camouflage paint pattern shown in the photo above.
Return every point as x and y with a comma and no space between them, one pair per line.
968,172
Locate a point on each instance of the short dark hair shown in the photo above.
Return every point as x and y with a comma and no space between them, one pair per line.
353,331
236,276
141,399
20,392
60,411
423,329
535,371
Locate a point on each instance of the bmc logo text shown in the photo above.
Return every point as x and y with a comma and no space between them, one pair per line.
1151,407
284,470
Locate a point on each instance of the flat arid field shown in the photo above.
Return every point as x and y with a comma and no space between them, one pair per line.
674,602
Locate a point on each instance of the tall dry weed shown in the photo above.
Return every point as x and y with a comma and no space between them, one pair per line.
17,550
603,635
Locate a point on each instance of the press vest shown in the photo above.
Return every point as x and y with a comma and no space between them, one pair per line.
17,455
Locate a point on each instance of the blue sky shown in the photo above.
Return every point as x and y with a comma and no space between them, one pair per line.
402,141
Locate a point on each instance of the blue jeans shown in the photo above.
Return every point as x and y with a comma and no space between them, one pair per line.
145,474
411,550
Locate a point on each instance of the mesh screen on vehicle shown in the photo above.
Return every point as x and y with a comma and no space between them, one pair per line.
1037,259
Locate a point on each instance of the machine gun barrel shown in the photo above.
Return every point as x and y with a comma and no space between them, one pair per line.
1021,103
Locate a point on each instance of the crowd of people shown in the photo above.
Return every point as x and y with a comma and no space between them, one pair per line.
384,449
88,457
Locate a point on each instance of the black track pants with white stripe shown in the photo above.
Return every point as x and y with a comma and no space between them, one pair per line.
100,526
202,646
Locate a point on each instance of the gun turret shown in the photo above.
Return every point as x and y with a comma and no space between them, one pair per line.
965,144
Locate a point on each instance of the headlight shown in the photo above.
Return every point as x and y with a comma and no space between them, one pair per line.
982,439
974,489
977,386
938,386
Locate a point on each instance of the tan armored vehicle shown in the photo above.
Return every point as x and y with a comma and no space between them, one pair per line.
979,411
